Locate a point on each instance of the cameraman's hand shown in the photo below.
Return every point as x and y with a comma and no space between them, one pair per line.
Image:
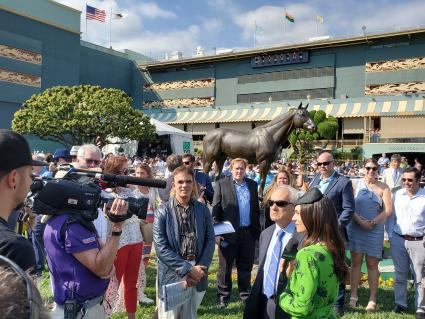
119,207
111,273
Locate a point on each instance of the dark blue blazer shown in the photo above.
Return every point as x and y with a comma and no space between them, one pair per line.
204,180
340,192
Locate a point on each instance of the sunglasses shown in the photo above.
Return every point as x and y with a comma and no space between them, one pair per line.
323,163
92,161
368,168
279,203
187,163
410,180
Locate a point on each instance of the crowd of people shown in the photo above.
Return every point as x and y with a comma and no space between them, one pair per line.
307,218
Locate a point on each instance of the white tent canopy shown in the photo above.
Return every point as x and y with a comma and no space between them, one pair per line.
181,141
165,129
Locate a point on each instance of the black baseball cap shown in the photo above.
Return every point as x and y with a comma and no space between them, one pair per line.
311,196
15,151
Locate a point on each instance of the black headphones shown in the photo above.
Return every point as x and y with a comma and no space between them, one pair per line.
33,296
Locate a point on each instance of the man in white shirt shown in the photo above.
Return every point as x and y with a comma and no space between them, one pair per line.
407,249
382,161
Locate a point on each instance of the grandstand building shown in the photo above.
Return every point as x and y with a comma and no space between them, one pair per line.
369,82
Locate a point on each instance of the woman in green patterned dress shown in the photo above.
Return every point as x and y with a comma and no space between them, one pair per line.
319,266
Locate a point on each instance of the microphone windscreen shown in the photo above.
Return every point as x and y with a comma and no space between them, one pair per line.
290,249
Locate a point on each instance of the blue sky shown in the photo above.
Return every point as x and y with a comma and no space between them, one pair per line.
156,27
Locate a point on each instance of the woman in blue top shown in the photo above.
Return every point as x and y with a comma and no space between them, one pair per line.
366,230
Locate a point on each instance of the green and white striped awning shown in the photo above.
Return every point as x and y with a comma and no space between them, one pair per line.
267,112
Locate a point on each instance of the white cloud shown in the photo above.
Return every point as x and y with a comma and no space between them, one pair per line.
341,18
129,32
275,30
152,10
212,26
156,44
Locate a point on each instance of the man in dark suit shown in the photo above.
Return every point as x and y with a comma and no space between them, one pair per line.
265,292
236,200
339,189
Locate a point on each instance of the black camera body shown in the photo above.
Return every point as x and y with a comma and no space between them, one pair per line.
59,196
75,194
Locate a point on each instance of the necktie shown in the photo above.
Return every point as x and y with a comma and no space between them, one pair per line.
271,274
394,176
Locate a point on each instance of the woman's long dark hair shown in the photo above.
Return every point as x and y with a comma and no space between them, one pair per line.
321,222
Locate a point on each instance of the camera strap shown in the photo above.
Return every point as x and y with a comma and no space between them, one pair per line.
76,218
118,218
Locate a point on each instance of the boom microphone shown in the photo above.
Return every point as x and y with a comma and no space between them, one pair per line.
123,180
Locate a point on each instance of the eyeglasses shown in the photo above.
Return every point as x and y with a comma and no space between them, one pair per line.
323,163
279,203
92,161
368,168
187,163
410,180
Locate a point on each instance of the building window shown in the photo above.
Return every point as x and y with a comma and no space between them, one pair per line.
287,75
286,95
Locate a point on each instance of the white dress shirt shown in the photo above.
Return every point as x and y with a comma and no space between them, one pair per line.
409,213
289,232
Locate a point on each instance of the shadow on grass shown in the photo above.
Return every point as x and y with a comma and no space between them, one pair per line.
385,304
209,310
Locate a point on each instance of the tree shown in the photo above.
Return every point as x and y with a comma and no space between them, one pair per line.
302,141
82,114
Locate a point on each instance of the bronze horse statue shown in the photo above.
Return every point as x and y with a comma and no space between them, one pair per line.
259,146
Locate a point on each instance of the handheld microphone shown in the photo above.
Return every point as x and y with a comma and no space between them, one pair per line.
290,250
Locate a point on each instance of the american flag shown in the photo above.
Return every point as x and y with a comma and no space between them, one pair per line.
93,13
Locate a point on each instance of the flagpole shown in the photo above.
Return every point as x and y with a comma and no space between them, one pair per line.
255,33
86,22
110,27
317,25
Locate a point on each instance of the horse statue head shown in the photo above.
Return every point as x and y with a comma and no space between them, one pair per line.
303,120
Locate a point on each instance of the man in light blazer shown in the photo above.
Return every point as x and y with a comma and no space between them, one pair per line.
263,300
236,201
339,189
392,175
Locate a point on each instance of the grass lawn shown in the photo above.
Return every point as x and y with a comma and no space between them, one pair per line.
235,309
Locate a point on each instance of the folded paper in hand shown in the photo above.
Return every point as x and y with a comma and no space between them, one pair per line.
223,228
175,295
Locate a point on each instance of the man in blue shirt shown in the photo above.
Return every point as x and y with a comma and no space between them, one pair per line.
236,201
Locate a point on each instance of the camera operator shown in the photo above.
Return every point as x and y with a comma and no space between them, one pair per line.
15,181
80,267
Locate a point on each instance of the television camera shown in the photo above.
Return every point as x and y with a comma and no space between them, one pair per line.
80,192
